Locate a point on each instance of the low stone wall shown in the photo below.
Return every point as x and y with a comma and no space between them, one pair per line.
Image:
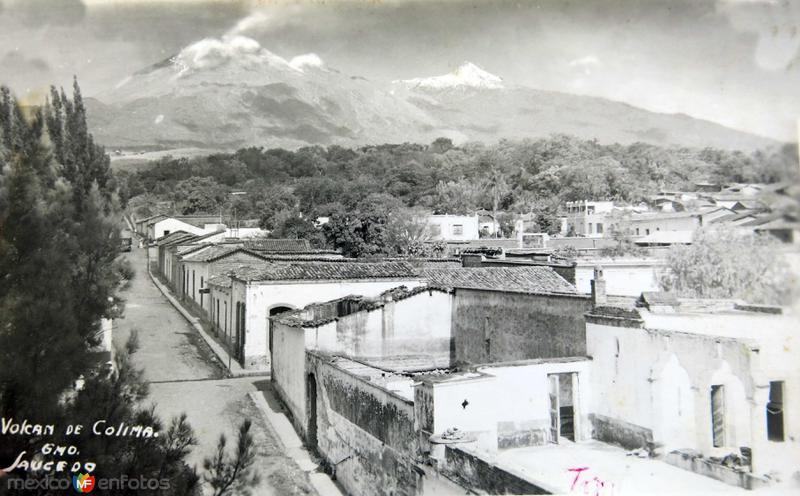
474,472
705,467
619,432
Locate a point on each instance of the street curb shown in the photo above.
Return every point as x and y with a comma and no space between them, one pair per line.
235,369
293,446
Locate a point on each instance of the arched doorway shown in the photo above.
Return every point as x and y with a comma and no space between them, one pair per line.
311,407
278,309
675,407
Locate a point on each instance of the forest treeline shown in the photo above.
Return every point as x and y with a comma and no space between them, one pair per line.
286,189
518,176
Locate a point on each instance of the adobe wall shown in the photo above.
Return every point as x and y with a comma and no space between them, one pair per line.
364,433
419,325
654,386
497,326
260,298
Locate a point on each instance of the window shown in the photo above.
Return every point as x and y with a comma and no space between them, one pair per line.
166,231
458,229
718,415
637,231
599,228
647,231
775,411
658,228
589,228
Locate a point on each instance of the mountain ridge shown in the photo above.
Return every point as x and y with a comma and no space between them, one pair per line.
232,92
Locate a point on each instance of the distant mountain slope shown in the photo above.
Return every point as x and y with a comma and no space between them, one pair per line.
230,93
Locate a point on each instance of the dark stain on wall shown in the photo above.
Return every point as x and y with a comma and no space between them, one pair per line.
496,326
509,437
382,420
374,453
615,431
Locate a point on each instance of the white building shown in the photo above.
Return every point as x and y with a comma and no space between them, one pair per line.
192,224
259,291
588,218
624,276
699,380
454,227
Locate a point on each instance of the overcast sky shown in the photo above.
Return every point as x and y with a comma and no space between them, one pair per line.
736,62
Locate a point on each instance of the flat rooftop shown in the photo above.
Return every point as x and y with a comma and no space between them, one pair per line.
409,364
550,465
401,385
395,374
737,324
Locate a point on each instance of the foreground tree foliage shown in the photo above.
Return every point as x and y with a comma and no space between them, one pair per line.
233,474
58,249
727,264
59,277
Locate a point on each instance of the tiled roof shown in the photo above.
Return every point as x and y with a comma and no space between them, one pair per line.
662,216
779,224
174,236
186,249
198,220
220,280
528,279
217,252
762,219
312,256
326,271
485,243
658,298
201,237
278,245
151,218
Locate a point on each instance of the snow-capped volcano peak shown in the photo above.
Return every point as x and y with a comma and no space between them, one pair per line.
466,75
211,53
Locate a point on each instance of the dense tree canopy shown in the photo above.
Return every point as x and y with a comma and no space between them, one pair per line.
531,176
728,264
448,179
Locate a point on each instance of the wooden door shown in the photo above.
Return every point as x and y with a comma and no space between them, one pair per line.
555,409
718,415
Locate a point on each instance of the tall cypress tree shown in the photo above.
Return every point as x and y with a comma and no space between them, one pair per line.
58,244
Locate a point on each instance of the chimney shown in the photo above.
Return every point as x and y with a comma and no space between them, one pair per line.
598,287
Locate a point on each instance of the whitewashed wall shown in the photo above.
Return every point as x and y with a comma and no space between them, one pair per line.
260,298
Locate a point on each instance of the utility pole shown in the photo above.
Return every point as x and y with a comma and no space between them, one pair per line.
234,221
